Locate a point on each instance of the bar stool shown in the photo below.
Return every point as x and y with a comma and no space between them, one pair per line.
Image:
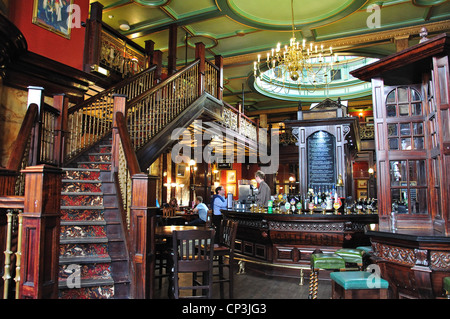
357,285
447,286
225,247
191,254
352,256
325,261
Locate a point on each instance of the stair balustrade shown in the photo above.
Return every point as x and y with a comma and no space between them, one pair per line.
90,121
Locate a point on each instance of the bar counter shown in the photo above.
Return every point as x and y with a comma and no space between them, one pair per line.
286,241
413,261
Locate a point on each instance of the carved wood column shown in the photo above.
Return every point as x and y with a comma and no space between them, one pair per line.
142,235
157,60
200,54
93,37
39,258
172,59
219,63
61,103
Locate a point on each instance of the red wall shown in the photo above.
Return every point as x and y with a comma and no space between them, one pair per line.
47,43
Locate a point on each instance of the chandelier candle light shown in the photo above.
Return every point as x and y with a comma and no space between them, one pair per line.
297,64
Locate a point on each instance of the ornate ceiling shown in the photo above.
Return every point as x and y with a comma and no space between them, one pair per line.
240,29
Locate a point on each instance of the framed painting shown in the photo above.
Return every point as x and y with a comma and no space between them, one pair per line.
361,194
362,183
53,15
231,176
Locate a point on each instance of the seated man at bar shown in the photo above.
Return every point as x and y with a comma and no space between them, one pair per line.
263,196
202,210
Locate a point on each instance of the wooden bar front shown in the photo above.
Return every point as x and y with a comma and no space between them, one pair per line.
414,261
287,241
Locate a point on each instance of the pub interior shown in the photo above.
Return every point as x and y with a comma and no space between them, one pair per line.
133,129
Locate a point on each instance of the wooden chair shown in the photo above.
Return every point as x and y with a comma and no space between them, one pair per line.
225,247
191,254
170,218
168,212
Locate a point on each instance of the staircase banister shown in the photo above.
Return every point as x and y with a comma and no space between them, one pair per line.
213,65
130,154
162,84
20,145
111,89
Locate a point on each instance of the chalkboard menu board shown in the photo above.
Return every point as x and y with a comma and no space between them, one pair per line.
321,160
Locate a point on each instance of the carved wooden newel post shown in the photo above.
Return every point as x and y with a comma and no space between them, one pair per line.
40,235
143,213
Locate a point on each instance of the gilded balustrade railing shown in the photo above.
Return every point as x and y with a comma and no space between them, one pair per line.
237,122
150,113
212,73
13,243
91,121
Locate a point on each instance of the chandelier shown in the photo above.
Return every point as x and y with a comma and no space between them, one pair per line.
297,65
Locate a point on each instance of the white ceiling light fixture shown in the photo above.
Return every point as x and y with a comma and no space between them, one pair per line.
124,25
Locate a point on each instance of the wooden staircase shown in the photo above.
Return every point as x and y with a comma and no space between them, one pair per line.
105,229
92,236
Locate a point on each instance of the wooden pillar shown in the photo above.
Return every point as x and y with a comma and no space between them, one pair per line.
219,63
149,51
142,235
61,103
93,37
157,59
200,54
172,62
39,248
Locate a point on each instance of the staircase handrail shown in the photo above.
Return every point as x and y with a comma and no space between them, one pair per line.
129,153
112,90
162,84
91,120
21,142
161,104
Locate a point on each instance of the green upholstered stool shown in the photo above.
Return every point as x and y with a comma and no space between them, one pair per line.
447,286
352,255
358,285
327,261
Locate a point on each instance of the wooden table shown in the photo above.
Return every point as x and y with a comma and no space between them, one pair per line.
167,231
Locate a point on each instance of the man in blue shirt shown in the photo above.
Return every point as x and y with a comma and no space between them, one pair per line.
218,202
202,211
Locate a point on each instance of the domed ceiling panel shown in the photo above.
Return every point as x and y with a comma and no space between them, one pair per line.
262,15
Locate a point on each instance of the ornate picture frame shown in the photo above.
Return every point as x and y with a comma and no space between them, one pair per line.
53,16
